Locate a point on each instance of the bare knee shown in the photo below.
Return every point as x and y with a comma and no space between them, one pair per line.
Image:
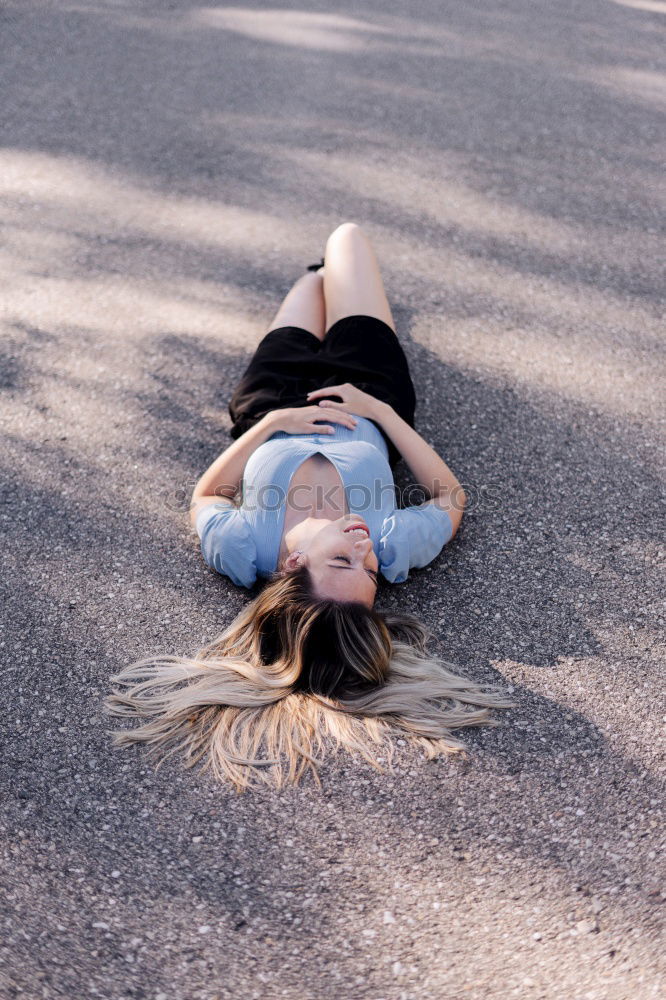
347,228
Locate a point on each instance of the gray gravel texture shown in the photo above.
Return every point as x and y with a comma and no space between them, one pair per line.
167,171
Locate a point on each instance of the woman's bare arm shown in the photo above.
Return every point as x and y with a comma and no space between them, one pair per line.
431,471
428,468
224,476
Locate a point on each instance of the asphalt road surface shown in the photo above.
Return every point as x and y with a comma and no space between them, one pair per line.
167,171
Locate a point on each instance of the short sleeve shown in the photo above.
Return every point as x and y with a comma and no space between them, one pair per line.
227,544
412,538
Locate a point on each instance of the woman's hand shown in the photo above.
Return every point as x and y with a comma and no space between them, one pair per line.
353,399
301,419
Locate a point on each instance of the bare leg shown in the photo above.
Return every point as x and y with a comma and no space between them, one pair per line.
352,282
303,305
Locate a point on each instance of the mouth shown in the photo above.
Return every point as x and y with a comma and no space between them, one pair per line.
358,527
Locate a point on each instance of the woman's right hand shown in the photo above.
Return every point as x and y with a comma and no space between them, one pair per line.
301,419
353,399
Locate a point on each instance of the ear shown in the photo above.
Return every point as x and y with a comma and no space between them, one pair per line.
293,560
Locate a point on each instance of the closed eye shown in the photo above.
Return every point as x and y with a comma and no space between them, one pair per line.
372,572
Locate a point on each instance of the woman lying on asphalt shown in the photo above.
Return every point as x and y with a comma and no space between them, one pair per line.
321,416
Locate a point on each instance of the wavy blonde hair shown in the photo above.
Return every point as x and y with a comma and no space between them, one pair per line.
292,672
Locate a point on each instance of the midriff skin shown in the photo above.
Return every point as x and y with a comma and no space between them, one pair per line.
316,490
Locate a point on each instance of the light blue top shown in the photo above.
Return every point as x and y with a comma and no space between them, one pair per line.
243,541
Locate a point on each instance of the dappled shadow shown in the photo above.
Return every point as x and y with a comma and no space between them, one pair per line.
166,169
565,170
547,73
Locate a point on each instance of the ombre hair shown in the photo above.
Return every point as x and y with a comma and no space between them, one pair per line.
293,672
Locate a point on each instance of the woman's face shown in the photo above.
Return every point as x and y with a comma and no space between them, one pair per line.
342,562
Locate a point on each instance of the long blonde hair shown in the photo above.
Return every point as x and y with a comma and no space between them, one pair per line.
291,671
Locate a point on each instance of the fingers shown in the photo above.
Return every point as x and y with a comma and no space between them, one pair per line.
336,408
339,416
325,389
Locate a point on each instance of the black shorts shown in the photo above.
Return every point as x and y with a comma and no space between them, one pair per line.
290,361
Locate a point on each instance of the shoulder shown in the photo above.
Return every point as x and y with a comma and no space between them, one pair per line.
227,542
412,537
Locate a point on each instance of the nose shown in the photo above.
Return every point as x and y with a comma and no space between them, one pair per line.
362,545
